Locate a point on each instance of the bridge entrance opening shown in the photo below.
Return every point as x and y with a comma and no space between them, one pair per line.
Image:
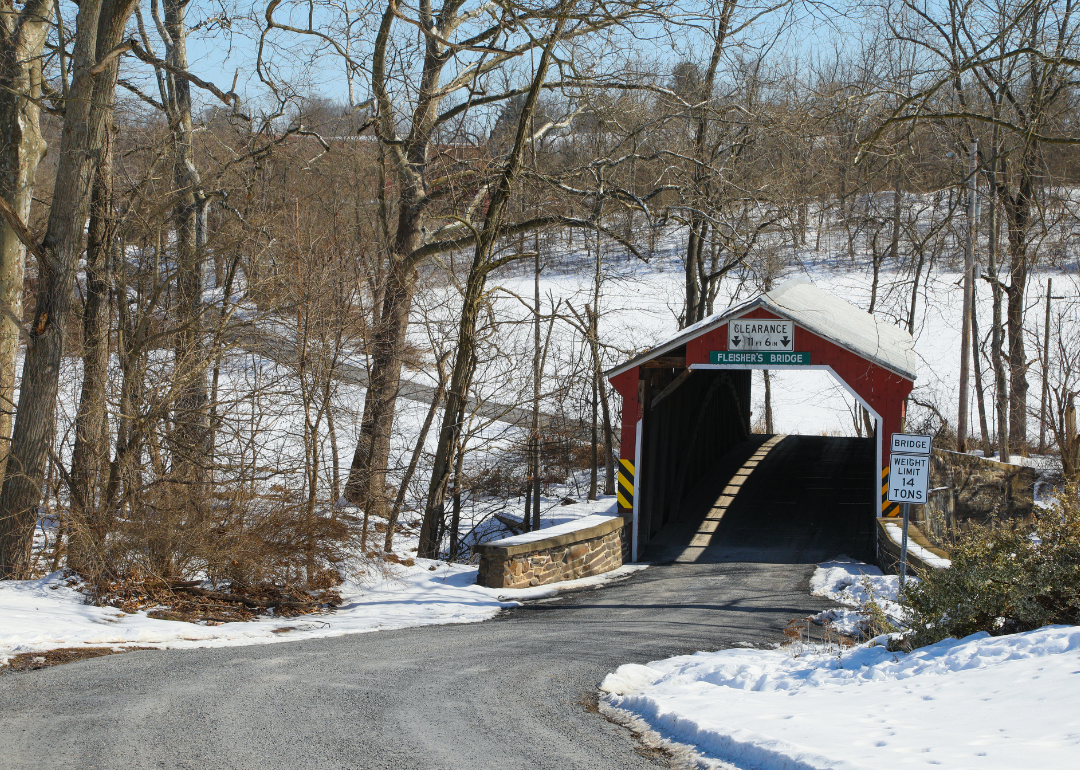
700,479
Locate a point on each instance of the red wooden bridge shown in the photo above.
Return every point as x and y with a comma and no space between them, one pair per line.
686,432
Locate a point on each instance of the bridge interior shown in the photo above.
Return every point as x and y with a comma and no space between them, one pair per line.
780,499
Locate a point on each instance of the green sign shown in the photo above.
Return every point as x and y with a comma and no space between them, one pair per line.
763,358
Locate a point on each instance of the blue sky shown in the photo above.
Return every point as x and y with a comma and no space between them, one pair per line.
219,55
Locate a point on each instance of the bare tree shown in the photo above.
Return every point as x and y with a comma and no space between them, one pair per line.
22,86
432,70
87,109
485,259
1003,67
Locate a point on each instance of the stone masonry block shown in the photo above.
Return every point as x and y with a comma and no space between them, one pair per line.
564,560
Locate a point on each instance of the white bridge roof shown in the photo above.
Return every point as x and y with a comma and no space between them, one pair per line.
817,311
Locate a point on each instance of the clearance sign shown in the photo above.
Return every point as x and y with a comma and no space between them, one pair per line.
764,342
761,334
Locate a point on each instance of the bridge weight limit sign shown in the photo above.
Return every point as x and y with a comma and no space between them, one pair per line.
909,479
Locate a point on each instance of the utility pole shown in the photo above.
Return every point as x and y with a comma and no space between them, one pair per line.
965,329
537,360
536,395
1045,369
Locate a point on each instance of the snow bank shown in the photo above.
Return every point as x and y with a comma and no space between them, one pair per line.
554,515
852,584
566,528
46,614
1004,702
895,529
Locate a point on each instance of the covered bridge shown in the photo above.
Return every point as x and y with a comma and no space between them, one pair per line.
686,444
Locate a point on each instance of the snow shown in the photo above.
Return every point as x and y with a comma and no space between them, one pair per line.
639,306
834,318
640,303
46,614
979,702
895,529
823,313
852,584
574,525
50,613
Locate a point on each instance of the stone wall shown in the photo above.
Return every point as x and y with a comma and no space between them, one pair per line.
972,490
564,555
888,550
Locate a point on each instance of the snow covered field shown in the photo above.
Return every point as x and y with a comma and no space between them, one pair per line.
1007,702
639,306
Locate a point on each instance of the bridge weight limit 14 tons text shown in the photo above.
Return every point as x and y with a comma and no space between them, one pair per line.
909,479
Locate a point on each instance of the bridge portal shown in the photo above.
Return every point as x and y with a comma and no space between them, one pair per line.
686,424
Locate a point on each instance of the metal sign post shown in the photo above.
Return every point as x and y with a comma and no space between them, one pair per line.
909,479
903,548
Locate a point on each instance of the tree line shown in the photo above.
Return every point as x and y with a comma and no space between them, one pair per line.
208,268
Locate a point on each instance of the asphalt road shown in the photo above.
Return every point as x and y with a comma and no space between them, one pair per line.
281,351
507,693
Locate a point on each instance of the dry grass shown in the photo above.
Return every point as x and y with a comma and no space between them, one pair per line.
32,661
190,603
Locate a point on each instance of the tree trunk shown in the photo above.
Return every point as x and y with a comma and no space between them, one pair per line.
465,354
692,265
22,147
894,235
976,351
191,415
609,441
876,258
1069,442
915,289
366,486
90,522
594,442
1001,395
455,516
99,29
768,402
695,291
418,450
532,516
335,458
453,414
1018,213
591,319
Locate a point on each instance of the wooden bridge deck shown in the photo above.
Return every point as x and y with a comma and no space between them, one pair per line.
779,499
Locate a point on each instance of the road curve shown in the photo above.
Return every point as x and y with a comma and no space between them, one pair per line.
506,693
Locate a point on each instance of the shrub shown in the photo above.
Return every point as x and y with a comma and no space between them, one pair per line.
1004,579
237,541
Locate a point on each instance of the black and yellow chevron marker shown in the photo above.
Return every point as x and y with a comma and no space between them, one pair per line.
887,508
626,484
